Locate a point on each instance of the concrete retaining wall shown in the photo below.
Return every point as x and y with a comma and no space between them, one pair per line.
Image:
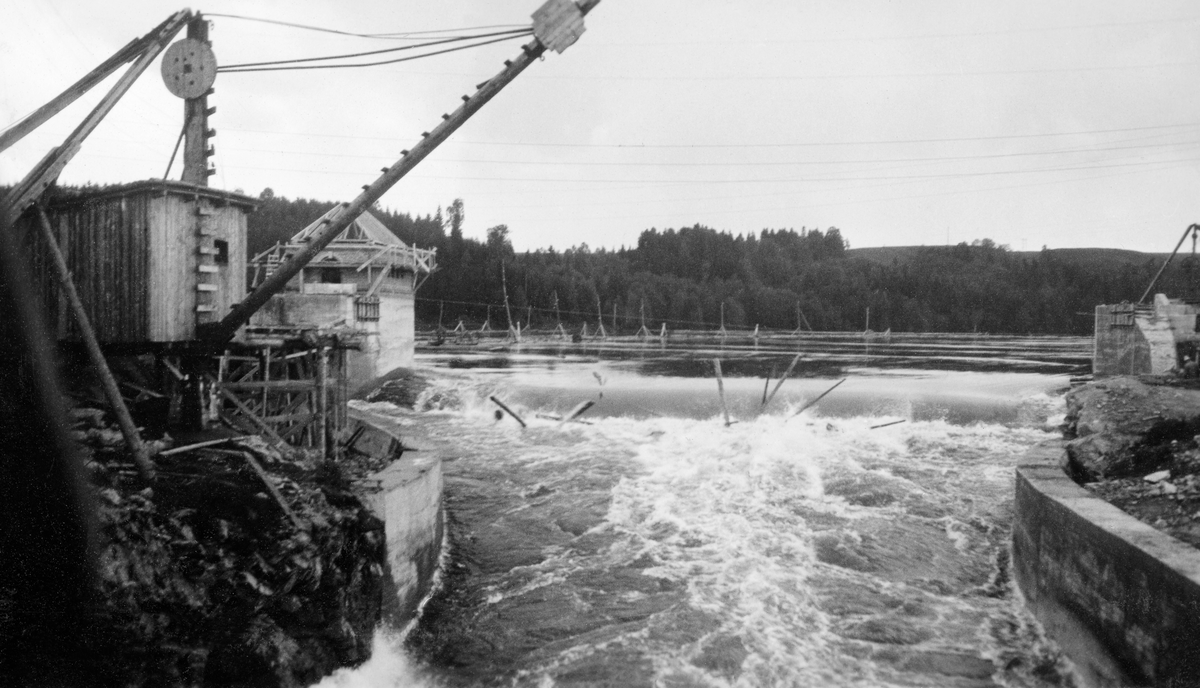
1121,598
407,496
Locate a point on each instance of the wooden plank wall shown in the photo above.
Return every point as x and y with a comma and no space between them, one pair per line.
134,259
175,276
172,304
230,225
106,247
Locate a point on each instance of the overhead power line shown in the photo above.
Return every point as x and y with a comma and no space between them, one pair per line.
289,66
781,144
426,44
759,163
399,35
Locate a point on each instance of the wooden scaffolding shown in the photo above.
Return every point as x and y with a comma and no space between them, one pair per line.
291,388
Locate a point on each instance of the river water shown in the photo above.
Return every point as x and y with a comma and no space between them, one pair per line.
654,545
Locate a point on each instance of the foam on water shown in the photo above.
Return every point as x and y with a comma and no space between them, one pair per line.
389,667
778,551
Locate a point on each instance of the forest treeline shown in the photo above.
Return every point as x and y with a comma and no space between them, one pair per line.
777,279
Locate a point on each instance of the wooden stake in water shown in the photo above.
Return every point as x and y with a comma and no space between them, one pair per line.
721,390
779,384
814,401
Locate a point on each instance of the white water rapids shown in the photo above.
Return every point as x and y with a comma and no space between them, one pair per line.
671,550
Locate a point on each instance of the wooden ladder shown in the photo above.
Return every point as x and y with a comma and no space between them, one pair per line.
206,264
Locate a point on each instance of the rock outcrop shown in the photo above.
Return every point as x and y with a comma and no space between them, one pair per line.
1124,426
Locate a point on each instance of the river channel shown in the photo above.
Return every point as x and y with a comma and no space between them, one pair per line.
861,542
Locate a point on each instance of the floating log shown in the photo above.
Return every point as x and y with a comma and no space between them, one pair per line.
884,425
576,412
814,401
510,412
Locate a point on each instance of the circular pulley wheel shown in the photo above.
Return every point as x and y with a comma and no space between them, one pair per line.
189,68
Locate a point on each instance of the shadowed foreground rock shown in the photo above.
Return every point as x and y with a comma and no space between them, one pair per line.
204,580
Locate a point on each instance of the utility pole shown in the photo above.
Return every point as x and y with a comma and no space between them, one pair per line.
197,55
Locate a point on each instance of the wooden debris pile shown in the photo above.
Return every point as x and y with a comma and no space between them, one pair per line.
238,567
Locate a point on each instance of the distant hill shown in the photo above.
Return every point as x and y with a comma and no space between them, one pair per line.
1090,258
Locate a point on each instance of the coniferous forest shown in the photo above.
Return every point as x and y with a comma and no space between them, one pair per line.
778,279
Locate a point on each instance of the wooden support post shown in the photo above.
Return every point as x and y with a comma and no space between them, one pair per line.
323,399
721,391
504,287
266,378
141,458
600,333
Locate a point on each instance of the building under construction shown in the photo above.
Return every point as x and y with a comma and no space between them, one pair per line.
366,279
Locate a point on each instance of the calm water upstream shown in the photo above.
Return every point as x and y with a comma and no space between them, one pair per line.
655,546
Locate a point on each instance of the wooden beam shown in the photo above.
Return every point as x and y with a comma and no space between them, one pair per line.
200,445
814,401
141,458
253,418
272,385
275,494
39,116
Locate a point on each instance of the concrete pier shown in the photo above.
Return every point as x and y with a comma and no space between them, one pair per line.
407,496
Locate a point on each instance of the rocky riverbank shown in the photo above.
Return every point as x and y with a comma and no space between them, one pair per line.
213,578
1133,443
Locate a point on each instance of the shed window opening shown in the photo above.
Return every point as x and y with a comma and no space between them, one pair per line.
222,255
331,275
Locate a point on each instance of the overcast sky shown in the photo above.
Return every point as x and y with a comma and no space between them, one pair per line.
919,122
